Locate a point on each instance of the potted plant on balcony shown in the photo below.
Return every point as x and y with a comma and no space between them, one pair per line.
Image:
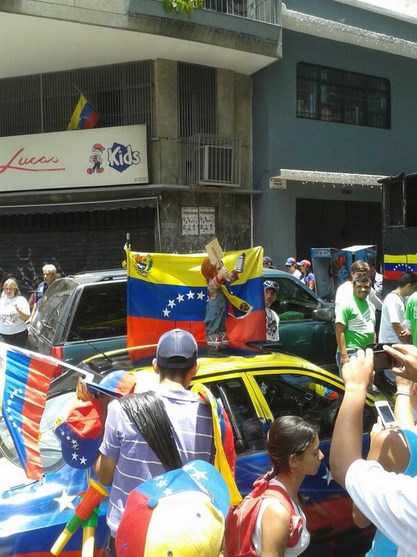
182,6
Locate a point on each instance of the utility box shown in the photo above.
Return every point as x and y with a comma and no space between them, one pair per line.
331,266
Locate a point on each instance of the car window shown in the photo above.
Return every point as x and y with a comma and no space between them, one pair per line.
294,301
249,431
101,312
312,399
51,308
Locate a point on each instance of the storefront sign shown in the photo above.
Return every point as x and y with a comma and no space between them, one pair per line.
71,159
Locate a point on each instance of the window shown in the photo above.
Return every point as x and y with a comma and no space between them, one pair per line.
334,95
196,100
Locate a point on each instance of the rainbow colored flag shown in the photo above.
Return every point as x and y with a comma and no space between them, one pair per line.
27,377
84,116
165,291
396,265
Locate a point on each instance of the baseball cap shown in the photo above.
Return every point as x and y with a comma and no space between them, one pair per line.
290,261
180,513
80,433
304,262
271,284
116,384
176,344
266,260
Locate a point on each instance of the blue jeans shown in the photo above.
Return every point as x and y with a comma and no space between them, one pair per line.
338,357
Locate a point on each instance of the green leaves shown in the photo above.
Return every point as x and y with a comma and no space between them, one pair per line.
182,6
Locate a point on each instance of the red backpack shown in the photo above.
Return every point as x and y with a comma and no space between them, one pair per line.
241,521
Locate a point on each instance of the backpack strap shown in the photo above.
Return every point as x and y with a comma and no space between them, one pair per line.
148,413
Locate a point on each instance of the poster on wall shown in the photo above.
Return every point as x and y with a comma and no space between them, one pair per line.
72,159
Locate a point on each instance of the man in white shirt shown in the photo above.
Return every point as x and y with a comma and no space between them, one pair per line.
393,326
291,265
345,290
272,320
387,499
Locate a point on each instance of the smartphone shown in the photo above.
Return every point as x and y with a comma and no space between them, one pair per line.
382,360
386,414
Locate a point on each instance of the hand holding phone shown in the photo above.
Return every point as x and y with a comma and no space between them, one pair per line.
386,414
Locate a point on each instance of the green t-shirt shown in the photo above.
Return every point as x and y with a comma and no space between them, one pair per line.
411,315
358,316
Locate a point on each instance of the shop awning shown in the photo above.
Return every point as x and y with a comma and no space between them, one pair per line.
77,206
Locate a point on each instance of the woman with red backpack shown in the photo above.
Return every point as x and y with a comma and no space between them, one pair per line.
269,522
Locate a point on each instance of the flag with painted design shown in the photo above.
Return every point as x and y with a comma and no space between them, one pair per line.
165,291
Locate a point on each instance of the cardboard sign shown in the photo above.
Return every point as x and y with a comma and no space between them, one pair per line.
214,251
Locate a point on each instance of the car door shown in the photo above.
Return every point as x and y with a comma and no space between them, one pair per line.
253,399
301,330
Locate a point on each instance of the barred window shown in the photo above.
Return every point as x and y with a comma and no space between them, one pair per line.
334,95
196,100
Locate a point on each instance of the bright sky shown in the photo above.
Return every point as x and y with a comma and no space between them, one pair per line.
407,7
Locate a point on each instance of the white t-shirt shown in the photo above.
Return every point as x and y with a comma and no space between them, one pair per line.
10,321
345,292
388,500
272,325
304,540
393,309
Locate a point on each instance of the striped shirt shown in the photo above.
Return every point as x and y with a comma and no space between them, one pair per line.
136,462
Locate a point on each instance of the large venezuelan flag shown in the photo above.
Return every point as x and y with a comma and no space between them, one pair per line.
27,377
165,291
84,116
396,265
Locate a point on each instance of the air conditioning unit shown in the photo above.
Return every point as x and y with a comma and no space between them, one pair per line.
213,165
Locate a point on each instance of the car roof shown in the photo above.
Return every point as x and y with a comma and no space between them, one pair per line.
99,275
213,361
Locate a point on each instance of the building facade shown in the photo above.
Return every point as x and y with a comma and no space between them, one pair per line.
186,81
331,118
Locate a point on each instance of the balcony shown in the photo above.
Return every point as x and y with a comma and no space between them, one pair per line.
244,35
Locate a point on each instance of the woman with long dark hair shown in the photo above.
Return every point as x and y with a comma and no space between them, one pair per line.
293,448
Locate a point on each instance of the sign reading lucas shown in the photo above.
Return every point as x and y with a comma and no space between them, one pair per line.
68,159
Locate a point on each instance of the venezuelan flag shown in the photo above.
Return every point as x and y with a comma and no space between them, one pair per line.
27,379
84,116
165,291
396,265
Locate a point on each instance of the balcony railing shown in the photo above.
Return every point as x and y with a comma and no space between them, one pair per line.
267,11
262,11
210,160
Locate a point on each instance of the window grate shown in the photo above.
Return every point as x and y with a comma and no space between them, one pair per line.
196,100
335,95
121,93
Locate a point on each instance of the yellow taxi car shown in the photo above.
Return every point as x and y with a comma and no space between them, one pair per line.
255,388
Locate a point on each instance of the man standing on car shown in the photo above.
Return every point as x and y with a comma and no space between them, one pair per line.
355,321
125,459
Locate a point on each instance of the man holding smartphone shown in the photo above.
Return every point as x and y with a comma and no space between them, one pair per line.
387,499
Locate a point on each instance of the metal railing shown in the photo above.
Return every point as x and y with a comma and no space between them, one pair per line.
210,160
267,11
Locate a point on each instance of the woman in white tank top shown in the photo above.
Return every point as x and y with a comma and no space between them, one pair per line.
293,447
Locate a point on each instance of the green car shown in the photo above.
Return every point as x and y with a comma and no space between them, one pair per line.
85,314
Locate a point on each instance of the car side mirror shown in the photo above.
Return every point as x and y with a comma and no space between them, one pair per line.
325,314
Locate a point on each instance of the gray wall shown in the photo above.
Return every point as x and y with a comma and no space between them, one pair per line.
283,141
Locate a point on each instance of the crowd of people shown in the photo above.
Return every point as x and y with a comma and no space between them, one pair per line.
197,497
